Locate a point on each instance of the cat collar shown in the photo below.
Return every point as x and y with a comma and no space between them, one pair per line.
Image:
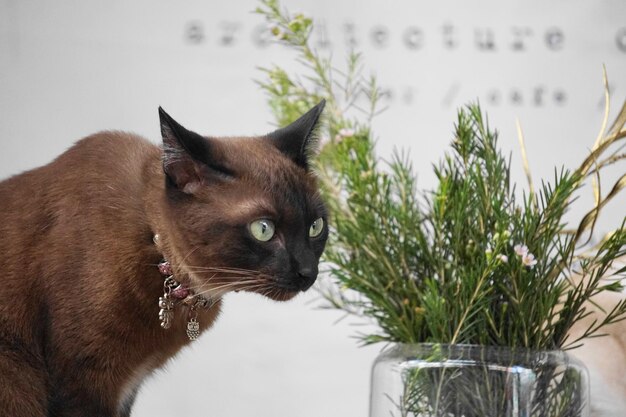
174,294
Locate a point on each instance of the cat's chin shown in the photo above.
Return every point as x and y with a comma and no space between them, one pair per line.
280,294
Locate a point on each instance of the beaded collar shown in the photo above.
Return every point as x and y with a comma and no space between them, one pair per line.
175,294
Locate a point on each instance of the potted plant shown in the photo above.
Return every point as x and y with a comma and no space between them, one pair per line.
475,285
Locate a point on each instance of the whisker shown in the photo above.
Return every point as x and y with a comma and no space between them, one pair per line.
192,250
242,286
238,285
195,248
240,281
228,288
221,267
247,274
227,270
272,292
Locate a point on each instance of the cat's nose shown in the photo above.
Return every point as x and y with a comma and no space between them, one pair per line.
306,277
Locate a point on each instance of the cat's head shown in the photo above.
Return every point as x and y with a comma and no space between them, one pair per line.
244,213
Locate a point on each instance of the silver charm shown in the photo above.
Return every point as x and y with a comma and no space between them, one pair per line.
166,304
193,329
175,293
166,312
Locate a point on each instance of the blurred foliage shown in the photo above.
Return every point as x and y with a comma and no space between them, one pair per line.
467,262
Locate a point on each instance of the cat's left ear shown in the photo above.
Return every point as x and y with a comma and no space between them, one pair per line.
299,140
189,160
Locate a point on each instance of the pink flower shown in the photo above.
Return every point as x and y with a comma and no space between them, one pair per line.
529,260
344,133
520,250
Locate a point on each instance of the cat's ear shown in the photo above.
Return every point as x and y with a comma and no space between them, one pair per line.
299,140
186,156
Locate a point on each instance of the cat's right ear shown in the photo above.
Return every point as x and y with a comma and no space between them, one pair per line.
185,155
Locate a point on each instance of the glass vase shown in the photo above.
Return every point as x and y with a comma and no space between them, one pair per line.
432,380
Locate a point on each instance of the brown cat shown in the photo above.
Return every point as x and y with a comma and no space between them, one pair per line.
81,322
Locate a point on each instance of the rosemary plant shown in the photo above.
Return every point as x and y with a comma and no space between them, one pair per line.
469,262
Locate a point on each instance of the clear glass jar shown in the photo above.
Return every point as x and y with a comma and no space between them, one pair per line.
431,380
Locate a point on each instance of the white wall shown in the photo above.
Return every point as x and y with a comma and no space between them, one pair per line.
70,68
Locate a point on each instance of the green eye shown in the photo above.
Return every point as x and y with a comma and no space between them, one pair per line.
262,229
316,228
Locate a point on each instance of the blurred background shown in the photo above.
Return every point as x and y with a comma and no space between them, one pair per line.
71,68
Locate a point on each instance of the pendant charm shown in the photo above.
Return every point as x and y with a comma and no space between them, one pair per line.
166,303
166,312
175,293
193,329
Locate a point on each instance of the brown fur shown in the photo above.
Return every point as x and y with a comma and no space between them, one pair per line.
78,312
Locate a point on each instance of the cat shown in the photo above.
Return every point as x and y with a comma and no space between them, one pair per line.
117,253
